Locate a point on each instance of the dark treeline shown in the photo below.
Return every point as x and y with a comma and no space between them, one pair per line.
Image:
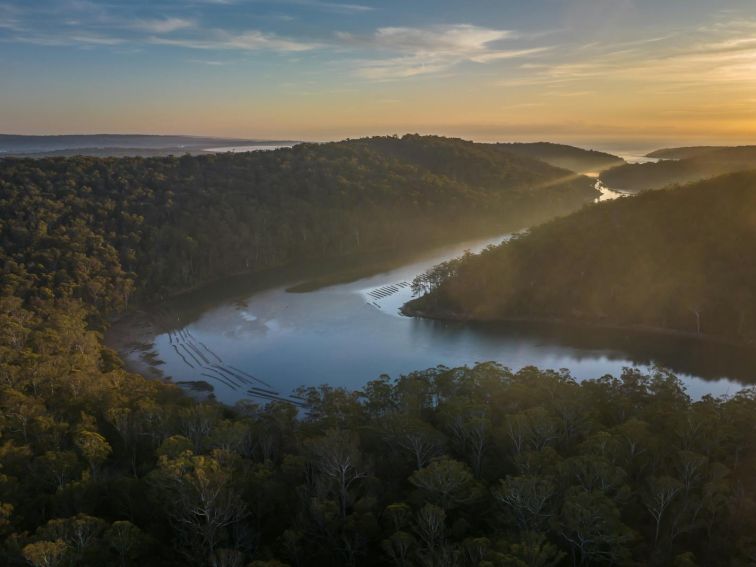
96,229
677,259
695,164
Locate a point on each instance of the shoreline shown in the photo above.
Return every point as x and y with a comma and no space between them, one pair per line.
132,338
131,334
451,316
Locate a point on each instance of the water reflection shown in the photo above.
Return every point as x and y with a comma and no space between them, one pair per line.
253,338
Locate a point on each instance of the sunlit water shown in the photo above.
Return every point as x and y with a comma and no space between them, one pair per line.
264,344
607,194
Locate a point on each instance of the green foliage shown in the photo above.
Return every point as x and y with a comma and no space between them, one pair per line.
635,481
671,260
100,229
465,466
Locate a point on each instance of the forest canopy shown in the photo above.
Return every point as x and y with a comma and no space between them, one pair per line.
98,229
675,260
473,467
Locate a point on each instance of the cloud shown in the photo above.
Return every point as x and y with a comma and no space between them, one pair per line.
712,58
428,50
165,25
213,63
95,39
440,39
332,6
247,41
335,7
74,39
10,18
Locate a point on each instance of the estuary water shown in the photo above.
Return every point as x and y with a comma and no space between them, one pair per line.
262,339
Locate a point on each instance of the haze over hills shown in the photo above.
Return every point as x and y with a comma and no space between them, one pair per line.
438,284
105,145
164,224
673,260
83,238
684,152
566,157
681,165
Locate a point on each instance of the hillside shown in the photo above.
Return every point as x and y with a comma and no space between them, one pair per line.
566,157
96,229
99,466
703,163
683,152
677,260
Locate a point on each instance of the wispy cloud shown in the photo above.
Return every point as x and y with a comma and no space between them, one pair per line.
254,40
164,25
412,51
211,62
331,6
85,24
10,18
74,40
334,7
714,56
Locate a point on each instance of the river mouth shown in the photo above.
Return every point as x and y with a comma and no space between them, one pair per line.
262,338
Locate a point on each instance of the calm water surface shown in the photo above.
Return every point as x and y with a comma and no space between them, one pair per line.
266,342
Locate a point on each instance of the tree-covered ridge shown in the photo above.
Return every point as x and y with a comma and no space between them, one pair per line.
683,152
469,466
695,164
675,260
95,229
566,157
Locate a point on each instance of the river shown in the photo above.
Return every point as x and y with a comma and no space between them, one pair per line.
260,341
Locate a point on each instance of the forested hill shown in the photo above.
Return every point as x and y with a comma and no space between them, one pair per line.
464,466
683,152
567,157
698,164
96,229
677,260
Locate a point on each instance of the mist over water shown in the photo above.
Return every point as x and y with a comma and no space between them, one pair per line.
272,341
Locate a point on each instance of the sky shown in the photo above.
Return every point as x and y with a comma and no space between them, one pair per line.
632,71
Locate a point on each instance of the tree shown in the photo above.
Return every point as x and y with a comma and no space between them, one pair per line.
202,501
527,499
590,523
398,547
94,448
80,533
127,540
447,482
421,440
659,495
534,550
45,553
58,467
336,456
430,527
470,425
